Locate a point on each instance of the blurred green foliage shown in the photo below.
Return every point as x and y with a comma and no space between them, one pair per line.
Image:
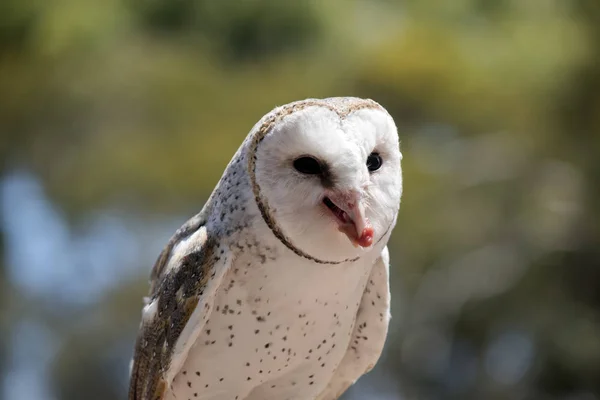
138,105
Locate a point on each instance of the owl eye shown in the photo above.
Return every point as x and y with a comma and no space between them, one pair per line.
307,165
374,162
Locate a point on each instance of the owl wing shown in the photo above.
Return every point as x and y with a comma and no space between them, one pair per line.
370,331
184,281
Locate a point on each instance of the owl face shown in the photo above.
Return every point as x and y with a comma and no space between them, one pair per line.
332,183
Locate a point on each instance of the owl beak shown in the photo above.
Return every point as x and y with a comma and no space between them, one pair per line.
349,209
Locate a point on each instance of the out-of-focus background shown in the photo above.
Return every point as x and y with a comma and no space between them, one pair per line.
117,118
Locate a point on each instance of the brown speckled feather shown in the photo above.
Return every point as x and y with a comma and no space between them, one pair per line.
177,292
189,227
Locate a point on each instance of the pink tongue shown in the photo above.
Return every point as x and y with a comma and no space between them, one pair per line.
366,238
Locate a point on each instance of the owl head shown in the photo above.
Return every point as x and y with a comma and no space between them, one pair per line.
326,175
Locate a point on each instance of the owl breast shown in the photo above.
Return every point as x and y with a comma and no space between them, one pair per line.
278,328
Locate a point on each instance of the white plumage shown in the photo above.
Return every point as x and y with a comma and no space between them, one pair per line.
278,288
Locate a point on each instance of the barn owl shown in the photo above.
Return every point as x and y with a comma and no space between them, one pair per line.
278,289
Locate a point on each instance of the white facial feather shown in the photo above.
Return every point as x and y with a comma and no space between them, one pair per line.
343,144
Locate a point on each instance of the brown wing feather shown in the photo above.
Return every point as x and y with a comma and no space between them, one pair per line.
177,292
189,227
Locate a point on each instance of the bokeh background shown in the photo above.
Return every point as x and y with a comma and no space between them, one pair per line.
117,118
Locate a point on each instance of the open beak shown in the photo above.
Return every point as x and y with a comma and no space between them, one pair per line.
349,210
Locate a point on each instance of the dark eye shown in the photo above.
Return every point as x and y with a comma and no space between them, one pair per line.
307,165
374,162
